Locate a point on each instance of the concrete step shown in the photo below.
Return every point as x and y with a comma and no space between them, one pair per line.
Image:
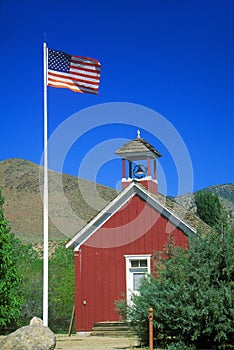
112,329
114,334
110,324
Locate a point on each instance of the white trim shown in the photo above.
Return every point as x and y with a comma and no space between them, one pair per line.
124,179
134,188
169,214
101,218
143,155
138,256
129,179
130,274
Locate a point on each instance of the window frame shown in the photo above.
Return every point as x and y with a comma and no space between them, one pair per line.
138,269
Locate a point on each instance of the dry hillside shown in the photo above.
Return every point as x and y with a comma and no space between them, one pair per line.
72,201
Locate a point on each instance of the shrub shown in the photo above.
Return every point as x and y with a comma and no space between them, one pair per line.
31,266
192,296
61,288
10,276
61,285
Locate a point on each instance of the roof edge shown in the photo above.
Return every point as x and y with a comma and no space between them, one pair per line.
133,188
110,208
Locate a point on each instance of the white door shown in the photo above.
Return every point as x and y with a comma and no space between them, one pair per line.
137,267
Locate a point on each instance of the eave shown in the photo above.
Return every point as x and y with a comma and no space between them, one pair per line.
133,189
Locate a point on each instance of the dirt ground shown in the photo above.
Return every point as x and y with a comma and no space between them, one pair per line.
75,342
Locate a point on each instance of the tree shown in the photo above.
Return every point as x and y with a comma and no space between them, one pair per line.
192,296
10,278
61,285
31,265
210,210
61,288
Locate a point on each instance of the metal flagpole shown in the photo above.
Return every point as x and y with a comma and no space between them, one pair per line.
45,199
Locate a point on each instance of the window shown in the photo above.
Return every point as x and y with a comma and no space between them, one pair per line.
141,263
137,267
137,277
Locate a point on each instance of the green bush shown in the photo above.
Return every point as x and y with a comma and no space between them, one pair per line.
61,288
31,266
10,276
61,285
121,307
192,296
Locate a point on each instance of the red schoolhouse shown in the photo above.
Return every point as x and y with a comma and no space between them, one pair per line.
113,251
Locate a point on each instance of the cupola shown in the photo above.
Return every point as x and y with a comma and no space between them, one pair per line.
140,157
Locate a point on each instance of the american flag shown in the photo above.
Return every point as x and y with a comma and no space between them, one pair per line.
77,73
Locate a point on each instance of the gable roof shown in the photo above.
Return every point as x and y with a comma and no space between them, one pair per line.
138,148
133,189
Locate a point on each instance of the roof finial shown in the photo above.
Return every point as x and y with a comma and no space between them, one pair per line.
138,134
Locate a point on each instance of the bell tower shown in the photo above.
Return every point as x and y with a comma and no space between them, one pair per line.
140,158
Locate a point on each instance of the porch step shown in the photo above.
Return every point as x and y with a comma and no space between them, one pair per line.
112,329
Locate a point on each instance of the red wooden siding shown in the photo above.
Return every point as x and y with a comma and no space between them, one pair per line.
149,184
100,268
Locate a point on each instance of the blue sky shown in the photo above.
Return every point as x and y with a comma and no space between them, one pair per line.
173,57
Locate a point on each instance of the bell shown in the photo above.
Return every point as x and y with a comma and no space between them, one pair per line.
139,170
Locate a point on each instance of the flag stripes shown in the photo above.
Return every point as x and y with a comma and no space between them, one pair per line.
77,73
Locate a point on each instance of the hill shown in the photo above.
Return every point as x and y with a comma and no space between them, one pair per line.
72,201
225,193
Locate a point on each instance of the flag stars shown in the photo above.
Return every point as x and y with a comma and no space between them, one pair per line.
59,61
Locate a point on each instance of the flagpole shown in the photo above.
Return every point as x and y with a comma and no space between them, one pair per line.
45,199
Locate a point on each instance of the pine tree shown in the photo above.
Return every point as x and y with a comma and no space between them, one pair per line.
210,210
